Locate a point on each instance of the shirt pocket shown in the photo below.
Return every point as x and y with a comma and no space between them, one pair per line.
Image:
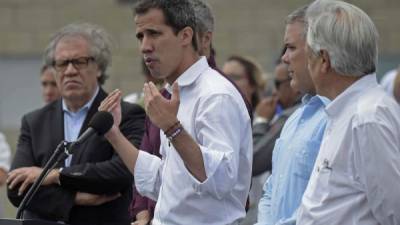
304,158
318,187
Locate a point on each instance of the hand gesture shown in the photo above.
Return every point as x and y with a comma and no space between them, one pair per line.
112,104
162,112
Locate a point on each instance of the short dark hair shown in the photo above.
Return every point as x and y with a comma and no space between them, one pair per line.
178,14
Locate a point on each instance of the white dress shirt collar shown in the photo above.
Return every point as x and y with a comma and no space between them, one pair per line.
339,104
191,74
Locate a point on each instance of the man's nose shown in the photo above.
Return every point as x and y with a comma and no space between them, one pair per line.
285,57
146,45
70,69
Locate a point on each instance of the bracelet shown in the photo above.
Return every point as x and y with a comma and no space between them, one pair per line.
172,128
176,132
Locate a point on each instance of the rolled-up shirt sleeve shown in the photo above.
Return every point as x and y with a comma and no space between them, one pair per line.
220,129
147,175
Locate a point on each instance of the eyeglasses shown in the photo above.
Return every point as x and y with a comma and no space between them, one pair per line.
78,63
278,83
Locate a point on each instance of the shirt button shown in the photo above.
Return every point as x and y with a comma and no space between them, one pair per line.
196,189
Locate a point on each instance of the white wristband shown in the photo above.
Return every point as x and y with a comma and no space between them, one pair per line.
259,120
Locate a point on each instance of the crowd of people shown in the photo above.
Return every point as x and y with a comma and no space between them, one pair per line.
203,145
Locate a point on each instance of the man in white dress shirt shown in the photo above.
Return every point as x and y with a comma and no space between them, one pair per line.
204,174
356,177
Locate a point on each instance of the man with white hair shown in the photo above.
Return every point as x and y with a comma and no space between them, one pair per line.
92,186
357,172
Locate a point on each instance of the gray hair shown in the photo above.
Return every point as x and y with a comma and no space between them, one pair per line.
298,15
346,33
204,16
99,40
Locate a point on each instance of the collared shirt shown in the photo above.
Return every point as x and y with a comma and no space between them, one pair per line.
356,177
73,122
212,111
292,162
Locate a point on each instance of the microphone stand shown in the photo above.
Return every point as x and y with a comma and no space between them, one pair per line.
61,153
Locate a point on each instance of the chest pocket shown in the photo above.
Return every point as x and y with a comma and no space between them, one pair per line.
304,158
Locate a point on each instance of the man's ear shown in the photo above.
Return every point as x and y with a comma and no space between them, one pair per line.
186,35
325,61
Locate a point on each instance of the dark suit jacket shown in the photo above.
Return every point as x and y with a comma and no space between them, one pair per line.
95,167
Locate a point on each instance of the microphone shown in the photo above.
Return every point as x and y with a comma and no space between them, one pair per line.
100,123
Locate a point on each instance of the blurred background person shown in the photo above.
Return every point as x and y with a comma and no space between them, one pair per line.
205,25
247,75
48,83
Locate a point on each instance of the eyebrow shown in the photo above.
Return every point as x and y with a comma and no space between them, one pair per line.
149,31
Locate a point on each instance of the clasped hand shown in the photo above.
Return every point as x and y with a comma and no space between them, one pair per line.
28,175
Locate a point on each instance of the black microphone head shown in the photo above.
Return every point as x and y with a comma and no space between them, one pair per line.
101,122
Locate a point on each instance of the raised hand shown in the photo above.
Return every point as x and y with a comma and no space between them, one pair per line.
266,107
162,112
112,104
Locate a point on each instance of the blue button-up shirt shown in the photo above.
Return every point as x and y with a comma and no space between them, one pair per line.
292,162
73,122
